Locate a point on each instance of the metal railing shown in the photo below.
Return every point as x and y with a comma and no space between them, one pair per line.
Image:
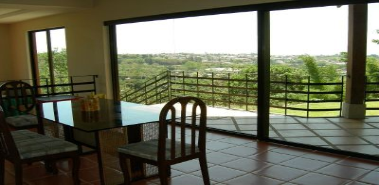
239,91
72,85
154,90
372,91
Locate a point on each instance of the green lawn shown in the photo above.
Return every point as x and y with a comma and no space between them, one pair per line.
322,113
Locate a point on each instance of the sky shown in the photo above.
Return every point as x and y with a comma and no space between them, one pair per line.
314,31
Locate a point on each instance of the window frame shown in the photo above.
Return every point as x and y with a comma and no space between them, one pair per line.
34,58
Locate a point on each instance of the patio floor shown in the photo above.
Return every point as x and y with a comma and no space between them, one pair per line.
357,135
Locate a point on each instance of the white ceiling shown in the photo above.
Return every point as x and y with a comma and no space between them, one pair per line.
19,10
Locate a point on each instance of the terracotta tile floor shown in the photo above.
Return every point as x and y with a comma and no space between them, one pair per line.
234,160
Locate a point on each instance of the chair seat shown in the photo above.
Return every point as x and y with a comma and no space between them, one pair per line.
31,144
149,149
22,120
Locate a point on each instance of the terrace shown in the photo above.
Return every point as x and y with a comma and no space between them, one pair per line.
327,130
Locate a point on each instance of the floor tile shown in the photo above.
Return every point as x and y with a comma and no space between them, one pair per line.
296,133
90,174
241,151
346,172
222,174
216,145
288,126
56,180
372,139
252,179
357,183
187,179
188,166
319,179
246,165
272,157
345,120
291,151
332,133
324,126
247,127
360,163
219,158
246,120
326,157
372,119
364,132
214,136
305,164
364,149
281,172
283,120
35,171
307,140
354,125
345,140
371,178
312,120
236,141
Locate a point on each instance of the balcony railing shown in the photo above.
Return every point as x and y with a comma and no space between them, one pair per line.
289,96
71,85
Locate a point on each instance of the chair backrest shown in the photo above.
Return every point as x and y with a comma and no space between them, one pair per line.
183,111
7,145
17,97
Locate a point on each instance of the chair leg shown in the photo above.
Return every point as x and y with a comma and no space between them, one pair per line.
124,168
75,170
204,168
18,173
2,171
169,171
162,170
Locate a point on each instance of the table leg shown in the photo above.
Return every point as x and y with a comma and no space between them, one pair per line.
136,167
99,158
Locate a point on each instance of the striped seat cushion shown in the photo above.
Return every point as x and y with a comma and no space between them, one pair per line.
149,149
31,144
22,120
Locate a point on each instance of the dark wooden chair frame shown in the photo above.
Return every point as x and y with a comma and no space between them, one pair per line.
163,163
9,151
24,96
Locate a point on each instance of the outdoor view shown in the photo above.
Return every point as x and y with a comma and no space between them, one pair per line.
215,58
211,57
50,47
306,46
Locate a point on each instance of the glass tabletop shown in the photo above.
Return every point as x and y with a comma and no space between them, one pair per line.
111,114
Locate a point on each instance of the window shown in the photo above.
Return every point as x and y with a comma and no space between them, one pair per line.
49,57
213,57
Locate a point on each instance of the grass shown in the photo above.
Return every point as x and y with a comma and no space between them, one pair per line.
322,113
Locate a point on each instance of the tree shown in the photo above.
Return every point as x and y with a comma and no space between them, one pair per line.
312,68
343,57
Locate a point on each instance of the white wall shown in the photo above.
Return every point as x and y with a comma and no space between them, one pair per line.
87,48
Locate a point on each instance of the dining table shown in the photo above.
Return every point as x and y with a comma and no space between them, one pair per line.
113,123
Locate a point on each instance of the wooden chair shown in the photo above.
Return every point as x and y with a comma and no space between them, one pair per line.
25,147
17,99
172,148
